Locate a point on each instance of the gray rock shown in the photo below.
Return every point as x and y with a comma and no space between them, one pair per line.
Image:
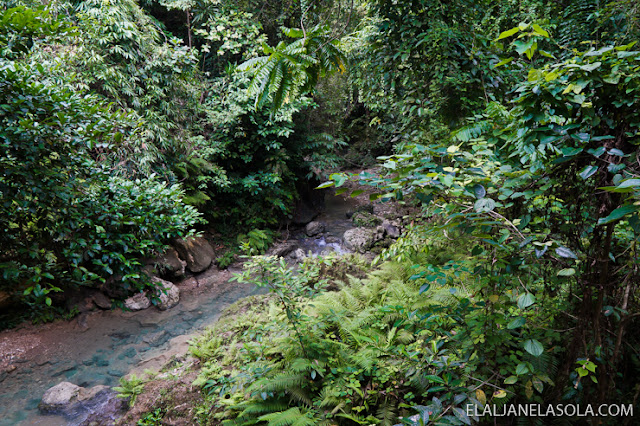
102,301
391,229
137,302
59,397
284,248
196,251
170,264
361,239
167,293
81,403
314,228
298,254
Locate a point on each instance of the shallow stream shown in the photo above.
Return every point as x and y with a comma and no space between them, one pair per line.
102,346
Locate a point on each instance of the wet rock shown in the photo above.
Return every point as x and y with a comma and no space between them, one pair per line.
137,302
154,338
101,301
366,219
390,229
298,254
80,403
360,239
196,251
167,293
59,398
170,264
314,228
283,248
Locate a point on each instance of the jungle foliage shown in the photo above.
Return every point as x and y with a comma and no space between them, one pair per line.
512,126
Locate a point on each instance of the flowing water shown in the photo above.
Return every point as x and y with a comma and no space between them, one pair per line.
105,345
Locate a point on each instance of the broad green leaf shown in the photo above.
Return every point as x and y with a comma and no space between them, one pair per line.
522,369
356,193
516,323
484,205
525,300
510,380
534,347
568,272
565,252
618,213
588,171
539,30
479,191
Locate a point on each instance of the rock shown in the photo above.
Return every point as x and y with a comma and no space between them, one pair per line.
391,229
360,239
314,228
366,219
284,248
72,400
170,264
59,398
137,302
167,293
304,213
113,288
298,254
196,251
82,321
102,301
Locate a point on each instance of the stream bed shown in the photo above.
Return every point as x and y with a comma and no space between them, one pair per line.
99,347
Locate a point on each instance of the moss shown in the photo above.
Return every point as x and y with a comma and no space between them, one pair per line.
366,219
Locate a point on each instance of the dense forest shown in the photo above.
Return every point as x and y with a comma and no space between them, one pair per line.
510,129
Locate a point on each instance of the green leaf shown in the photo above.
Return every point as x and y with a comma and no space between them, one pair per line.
566,253
568,272
504,62
540,31
618,213
525,300
508,33
484,205
326,184
516,323
522,369
356,193
479,191
534,347
510,380
588,171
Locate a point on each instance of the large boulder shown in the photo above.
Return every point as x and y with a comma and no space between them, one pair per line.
59,398
170,264
196,251
314,228
167,293
71,400
137,302
362,239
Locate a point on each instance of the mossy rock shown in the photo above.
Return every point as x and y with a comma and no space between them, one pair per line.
366,219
